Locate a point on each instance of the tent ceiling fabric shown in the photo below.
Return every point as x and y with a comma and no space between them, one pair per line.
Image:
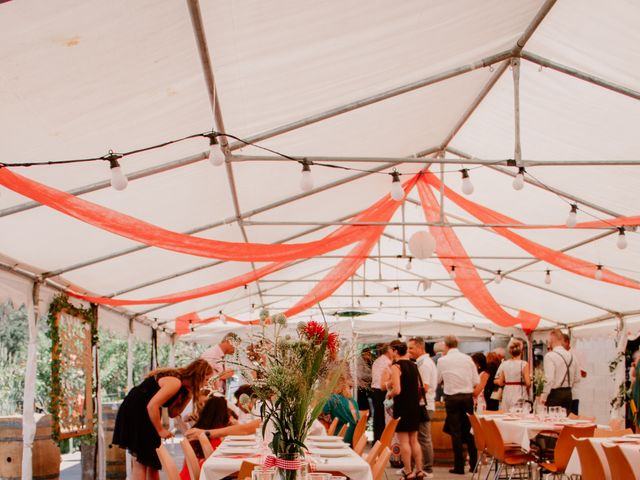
82,77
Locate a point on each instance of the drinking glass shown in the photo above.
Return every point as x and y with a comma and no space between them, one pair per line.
262,473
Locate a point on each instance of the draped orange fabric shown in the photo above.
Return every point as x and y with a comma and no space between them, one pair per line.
467,278
381,211
146,233
554,257
339,274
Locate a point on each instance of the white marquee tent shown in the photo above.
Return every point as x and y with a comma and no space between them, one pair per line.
368,85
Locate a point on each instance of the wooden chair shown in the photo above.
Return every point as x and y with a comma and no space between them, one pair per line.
372,456
481,445
343,430
590,464
616,424
332,428
618,462
360,429
387,434
493,412
602,433
205,444
193,465
502,455
246,468
381,463
564,447
359,447
573,416
168,464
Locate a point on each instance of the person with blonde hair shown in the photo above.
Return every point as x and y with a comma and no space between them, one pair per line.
513,375
139,426
561,373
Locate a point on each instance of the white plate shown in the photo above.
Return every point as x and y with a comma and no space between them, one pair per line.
632,435
331,453
324,438
235,450
324,445
241,437
239,443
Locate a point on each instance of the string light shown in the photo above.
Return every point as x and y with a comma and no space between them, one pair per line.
119,180
622,239
518,181
598,272
397,192
223,317
572,219
252,309
452,272
498,277
467,186
409,266
216,155
547,277
425,284
473,328
306,180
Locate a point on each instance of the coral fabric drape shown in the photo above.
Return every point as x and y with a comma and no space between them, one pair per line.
554,257
335,278
467,278
144,232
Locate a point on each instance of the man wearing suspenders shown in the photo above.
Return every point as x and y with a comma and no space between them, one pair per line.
561,373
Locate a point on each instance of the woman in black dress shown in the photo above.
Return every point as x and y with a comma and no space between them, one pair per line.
404,388
138,425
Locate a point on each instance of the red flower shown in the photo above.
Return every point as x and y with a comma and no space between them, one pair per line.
316,332
333,341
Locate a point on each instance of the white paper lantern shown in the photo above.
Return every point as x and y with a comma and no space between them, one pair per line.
422,245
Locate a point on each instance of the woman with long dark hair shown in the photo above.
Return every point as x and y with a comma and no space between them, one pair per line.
138,425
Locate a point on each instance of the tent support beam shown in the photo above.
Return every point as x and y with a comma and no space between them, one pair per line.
595,80
533,25
420,224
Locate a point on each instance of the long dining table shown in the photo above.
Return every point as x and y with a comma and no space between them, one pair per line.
329,454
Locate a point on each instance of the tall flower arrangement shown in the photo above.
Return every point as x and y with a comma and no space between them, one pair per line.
293,377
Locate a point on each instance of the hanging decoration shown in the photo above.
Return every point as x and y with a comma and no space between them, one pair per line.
422,244
553,257
467,279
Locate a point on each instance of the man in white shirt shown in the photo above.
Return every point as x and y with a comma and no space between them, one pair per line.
215,356
379,389
460,376
561,373
429,378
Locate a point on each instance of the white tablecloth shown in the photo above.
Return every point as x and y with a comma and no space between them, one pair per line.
631,451
522,431
218,466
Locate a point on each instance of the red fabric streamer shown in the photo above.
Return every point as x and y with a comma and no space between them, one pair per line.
146,233
554,257
467,278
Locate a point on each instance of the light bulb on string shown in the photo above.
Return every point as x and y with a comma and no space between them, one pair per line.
223,317
252,309
409,266
216,155
622,239
397,192
467,186
390,289
598,274
380,306
119,180
425,284
572,219
306,180
452,272
547,277
498,277
473,328
518,181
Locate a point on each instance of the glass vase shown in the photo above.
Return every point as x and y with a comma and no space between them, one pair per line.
296,471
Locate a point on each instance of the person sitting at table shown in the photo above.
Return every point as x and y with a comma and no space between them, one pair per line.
342,405
513,375
138,426
245,403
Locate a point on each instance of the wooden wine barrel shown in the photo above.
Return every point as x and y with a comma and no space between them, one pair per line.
115,456
442,448
45,457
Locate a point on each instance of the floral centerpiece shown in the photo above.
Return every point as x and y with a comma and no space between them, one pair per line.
293,376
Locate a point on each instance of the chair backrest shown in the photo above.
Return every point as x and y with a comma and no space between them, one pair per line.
590,464
603,433
190,459
493,438
478,433
246,468
566,443
168,464
205,444
618,462
372,456
343,430
359,447
388,432
493,412
332,428
616,423
381,463
361,428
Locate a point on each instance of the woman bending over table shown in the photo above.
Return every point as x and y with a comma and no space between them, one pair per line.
138,425
341,405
